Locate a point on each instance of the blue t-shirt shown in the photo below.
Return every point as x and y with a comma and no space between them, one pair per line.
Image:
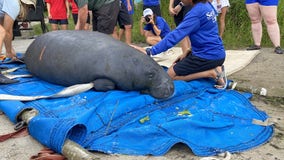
125,4
151,2
161,24
201,25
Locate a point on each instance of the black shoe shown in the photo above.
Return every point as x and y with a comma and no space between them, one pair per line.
278,50
253,47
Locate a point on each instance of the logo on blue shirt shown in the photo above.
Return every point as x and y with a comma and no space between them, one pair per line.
211,16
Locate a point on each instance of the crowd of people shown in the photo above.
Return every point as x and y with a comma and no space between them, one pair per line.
200,26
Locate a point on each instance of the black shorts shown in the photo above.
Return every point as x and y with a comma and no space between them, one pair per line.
58,21
105,18
155,9
123,17
193,64
179,17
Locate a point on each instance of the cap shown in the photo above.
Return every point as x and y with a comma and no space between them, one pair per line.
147,12
29,2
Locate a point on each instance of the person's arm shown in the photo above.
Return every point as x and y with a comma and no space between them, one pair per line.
178,7
82,17
67,8
129,7
48,10
155,26
142,32
171,8
188,25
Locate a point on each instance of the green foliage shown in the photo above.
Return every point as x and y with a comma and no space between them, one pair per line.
238,28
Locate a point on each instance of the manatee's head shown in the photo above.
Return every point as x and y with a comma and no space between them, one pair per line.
146,75
160,85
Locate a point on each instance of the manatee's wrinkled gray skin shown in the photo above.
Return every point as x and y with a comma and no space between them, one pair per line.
76,57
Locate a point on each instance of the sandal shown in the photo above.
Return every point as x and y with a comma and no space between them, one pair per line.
19,58
253,47
219,76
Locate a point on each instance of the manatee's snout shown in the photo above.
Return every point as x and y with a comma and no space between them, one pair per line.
163,90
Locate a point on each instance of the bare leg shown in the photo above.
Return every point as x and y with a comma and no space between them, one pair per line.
2,37
64,27
128,29
269,14
255,18
152,40
54,27
222,17
114,33
8,26
120,33
205,74
185,44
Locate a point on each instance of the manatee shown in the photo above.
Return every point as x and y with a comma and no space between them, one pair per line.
72,57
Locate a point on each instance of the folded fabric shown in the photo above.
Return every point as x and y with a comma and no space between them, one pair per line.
208,120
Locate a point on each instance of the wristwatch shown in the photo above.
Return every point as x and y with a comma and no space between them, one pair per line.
180,4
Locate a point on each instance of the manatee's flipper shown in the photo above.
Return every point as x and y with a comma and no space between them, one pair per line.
104,85
5,80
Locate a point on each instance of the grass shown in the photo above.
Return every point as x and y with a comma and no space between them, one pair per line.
237,33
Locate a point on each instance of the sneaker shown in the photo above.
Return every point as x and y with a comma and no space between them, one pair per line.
278,50
253,47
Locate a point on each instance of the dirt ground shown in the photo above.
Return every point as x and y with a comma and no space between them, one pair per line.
265,71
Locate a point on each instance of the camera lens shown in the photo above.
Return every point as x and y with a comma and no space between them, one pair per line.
147,19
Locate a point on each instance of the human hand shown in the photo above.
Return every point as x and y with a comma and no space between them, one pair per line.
181,57
138,48
177,9
142,20
172,11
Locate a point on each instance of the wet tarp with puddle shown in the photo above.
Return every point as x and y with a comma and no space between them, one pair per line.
208,120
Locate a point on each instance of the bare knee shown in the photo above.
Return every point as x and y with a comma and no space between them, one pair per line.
171,72
271,21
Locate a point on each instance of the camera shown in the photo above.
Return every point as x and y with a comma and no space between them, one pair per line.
147,19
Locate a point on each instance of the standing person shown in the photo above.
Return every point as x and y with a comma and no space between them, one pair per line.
74,9
178,11
125,21
9,11
221,7
206,58
104,14
58,13
258,9
154,5
155,29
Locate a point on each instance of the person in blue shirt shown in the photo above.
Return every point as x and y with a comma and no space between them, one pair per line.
155,28
207,53
154,5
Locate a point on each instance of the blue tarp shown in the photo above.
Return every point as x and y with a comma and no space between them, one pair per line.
208,120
